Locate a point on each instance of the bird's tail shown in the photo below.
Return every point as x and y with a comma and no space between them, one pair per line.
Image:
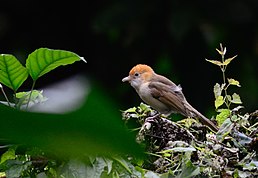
204,120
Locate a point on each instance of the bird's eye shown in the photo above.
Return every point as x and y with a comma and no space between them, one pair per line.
136,74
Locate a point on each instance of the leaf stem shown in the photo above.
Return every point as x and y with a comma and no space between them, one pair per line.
253,126
5,95
223,69
33,85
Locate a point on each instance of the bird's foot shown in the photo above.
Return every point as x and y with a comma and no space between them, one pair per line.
152,118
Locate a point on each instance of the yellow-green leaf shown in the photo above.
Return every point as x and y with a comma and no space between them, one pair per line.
9,154
227,61
219,101
222,53
222,116
131,110
12,72
234,82
218,63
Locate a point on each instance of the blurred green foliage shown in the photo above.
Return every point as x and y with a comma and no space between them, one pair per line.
67,144
93,130
96,128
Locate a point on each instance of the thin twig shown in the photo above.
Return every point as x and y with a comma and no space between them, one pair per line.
30,94
5,95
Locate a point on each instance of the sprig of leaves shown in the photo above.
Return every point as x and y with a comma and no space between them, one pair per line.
40,62
221,90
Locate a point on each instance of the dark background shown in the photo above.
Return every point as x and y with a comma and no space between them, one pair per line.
174,37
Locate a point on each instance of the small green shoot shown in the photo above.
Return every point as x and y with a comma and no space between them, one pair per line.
222,97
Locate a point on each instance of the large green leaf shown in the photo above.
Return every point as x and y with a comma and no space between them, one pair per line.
12,72
94,129
43,60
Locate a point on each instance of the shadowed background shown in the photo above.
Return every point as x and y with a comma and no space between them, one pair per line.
174,37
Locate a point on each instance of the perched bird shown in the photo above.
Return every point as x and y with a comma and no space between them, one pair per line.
162,94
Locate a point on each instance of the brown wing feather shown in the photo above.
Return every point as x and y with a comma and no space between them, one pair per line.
170,95
175,100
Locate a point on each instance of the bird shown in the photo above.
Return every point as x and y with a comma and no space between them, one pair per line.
162,94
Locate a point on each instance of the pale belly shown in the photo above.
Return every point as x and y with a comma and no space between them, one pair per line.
144,93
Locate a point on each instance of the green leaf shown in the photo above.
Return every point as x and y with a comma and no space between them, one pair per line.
228,97
133,110
224,130
43,60
253,165
9,154
219,101
109,163
234,82
236,99
123,163
189,170
99,166
12,72
17,168
242,138
222,116
234,118
23,98
145,108
217,90
241,174
218,63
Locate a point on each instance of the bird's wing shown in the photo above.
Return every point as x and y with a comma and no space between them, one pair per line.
170,95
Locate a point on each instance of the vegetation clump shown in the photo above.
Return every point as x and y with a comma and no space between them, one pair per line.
180,149
189,149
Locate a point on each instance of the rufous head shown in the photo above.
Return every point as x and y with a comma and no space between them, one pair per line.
138,75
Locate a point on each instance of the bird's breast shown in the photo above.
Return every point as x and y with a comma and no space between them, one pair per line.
145,94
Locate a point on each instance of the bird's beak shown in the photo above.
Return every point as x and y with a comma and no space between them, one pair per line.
126,79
